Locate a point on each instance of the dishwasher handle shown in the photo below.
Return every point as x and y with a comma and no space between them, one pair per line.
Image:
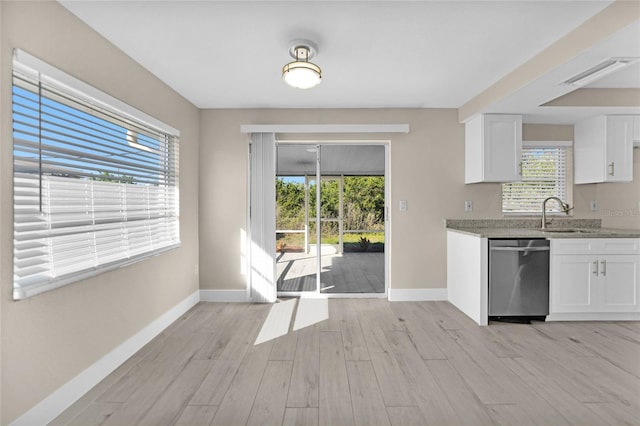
520,249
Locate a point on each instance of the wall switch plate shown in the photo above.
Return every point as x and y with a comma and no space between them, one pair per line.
593,206
403,205
468,206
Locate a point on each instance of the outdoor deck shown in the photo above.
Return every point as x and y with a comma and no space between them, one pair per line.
341,272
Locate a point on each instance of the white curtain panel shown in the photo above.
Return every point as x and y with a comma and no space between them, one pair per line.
262,223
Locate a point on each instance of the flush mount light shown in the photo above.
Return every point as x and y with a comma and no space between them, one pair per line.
599,71
301,73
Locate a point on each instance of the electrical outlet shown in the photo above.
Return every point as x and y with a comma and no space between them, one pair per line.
403,205
468,206
594,206
196,269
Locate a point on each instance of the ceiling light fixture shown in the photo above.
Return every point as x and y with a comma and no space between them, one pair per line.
599,71
301,73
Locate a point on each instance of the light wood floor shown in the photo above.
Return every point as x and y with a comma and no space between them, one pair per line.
372,362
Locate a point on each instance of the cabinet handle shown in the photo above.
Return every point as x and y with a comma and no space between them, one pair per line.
603,269
595,267
612,169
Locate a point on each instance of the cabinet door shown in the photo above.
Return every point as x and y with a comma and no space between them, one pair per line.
493,148
502,148
636,128
619,283
589,150
619,152
572,282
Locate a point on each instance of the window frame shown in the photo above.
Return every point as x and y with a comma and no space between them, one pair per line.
145,221
568,178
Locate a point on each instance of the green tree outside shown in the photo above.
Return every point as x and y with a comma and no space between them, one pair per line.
363,205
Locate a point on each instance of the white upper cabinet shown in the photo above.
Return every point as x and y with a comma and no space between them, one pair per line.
603,149
493,148
636,129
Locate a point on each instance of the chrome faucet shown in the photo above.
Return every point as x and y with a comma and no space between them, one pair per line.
564,207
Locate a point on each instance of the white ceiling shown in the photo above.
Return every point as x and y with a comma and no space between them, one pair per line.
373,54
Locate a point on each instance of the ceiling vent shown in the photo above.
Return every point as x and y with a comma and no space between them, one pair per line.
599,71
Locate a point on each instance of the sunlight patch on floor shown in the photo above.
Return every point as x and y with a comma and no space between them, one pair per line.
310,311
277,322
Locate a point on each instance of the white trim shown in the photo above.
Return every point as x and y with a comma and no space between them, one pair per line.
86,91
324,128
224,296
417,294
547,144
49,408
387,217
595,316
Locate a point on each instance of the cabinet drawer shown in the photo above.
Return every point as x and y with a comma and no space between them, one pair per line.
620,246
573,246
595,246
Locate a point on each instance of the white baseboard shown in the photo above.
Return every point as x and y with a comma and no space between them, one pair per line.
224,296
51,407
595,316
417,294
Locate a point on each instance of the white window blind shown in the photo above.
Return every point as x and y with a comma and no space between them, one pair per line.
544,171
95,188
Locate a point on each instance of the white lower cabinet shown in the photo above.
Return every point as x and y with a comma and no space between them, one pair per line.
594,276
571,284
619,290
583,283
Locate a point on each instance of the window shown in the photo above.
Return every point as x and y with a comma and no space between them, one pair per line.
95,181
543,175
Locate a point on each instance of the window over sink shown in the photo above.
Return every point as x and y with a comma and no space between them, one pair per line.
544,174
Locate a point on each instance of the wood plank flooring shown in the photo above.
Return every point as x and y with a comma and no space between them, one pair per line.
372,363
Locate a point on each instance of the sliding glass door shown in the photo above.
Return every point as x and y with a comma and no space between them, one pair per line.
296,265
330,237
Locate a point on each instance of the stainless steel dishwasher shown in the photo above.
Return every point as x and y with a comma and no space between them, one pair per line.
518,279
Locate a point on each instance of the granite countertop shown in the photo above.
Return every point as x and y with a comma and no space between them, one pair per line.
530,228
